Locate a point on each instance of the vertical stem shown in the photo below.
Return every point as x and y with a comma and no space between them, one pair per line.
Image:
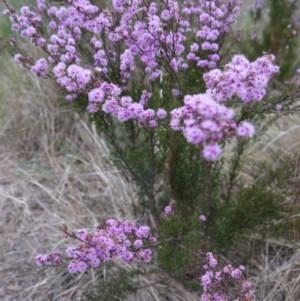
152,180
232,176
208,196
208,187
155,211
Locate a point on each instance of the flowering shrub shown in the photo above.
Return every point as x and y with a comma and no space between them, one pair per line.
220,282
152,41
123,239
213,282
285,29
158,80
115,239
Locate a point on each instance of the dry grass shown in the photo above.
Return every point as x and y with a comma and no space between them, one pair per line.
277,148
274,266
275,272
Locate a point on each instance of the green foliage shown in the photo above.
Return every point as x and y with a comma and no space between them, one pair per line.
288,229
283,180
116,287
165,167
275,35
172,258
179,242
254,207
192,181
160,162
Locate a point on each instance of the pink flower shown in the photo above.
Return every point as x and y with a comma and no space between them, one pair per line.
138,244
161,114
246,129
194,135
211,152
194,47
175,92
202,218
96,95
168,209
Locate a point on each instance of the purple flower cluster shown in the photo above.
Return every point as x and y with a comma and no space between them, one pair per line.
146,28
240,78
204,122
215,18
149,40
122,107
168,212
40,67
117,239
27,24
214,282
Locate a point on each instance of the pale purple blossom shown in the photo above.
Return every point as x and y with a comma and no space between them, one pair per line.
212,152
111,241
147,38
168,209
245,129
202,218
